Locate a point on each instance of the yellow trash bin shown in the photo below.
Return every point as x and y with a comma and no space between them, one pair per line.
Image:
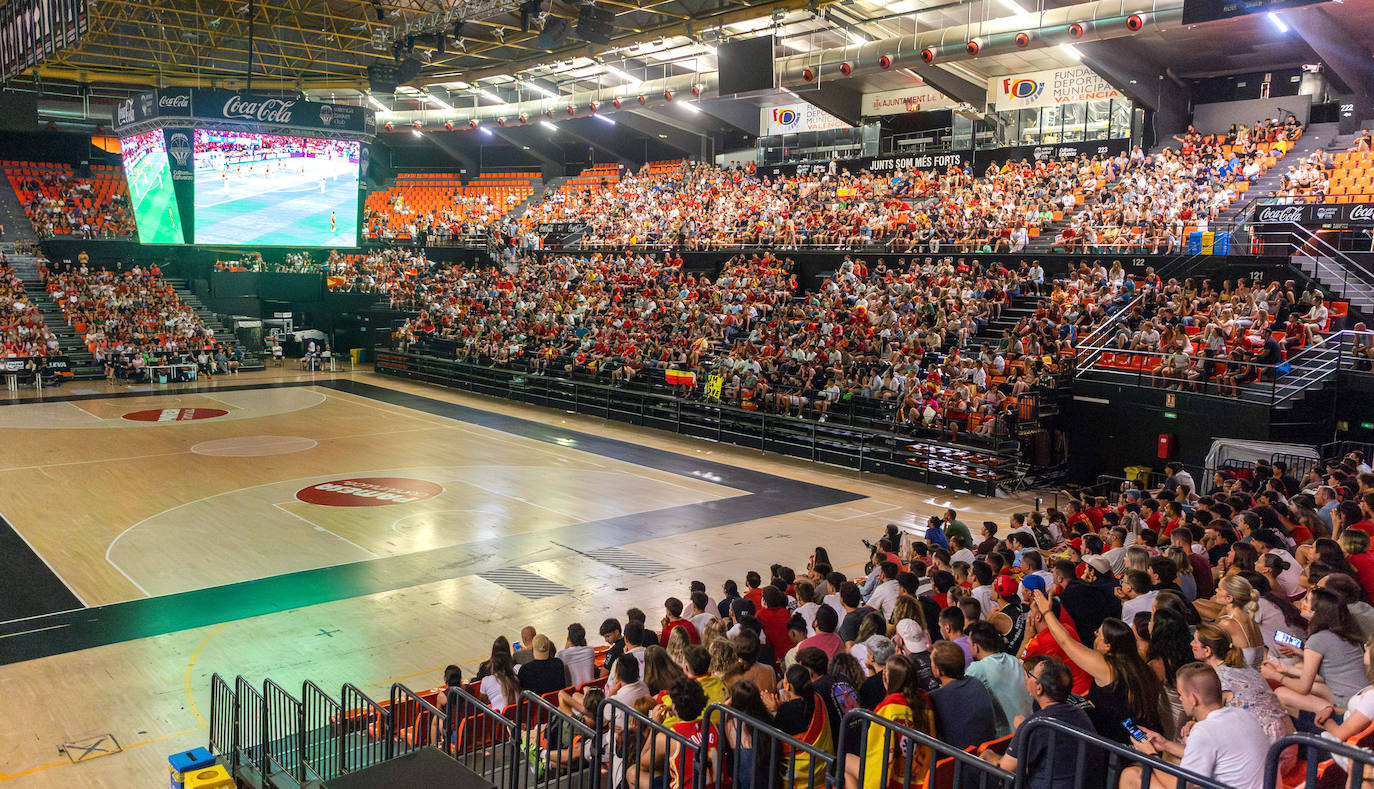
212,778
357,355
1140,475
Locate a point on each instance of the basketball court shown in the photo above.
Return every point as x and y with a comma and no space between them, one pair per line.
351,528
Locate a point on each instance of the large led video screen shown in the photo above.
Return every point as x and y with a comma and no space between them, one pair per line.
272,190
150,188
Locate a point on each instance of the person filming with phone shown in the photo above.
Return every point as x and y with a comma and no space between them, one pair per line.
1226,744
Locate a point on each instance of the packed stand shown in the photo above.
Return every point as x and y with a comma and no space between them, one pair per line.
1197,334
381,271
59,203
133,321
1197,624
292,263
22,332
904,335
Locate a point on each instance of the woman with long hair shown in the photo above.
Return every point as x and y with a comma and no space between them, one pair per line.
1234,608
1185,579
742,744
660,670
1123,685
1242,558
1276,612
500,688
1168,650
905,704
800,711
1332,669
1248,689
1359,714
500,645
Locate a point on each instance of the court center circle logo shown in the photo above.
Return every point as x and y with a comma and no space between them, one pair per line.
369,492
174,414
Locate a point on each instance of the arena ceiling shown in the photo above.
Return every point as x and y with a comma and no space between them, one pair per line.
325,46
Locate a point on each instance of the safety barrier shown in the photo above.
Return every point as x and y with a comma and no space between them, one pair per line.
321,749
415,722
1361,762
539,746
1119,758
281,723
635,744
249,750
224,711
479,737
558,749
772,759
364,728
946,765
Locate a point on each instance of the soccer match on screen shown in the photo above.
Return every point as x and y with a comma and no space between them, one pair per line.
273,190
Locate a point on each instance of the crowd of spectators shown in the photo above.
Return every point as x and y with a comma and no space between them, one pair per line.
22,331
1200,334
59,203
1195,623
126,314
1130,202
908,333
292,263
382,271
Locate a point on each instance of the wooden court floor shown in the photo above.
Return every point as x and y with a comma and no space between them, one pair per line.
351,528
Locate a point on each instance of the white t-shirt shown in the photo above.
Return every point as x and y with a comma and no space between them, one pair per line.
963,555
808,613
496,696
983,594
580,662
1229,745
700,621
1130,608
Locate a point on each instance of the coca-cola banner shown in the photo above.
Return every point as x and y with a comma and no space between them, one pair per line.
215,105
1316,214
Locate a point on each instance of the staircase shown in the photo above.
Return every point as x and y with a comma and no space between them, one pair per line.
83,365
251,360
1318,135
12,216
1341,275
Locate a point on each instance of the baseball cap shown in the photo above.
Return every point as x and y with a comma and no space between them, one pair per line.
542,647
1100,564
1033,583
1005,586
913,637
1077,543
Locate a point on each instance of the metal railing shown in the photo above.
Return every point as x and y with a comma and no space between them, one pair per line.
415,722
558,750
251,742
322,742
364,729
772,759
1361,761
543,747
904,748
224,711
281,725
479,737
636,747
1117,759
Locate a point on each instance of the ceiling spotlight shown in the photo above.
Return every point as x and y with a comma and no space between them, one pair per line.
448,125
524,119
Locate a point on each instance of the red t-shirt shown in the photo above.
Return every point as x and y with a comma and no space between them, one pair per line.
1365,526
692,636
1043,643
1364,568
774,621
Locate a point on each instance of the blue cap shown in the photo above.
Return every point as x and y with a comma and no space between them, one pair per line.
1033,583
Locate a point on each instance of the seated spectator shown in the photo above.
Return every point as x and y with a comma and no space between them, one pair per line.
1048,684
965,711
1225,743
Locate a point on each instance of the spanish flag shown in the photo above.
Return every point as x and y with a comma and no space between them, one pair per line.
680,378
